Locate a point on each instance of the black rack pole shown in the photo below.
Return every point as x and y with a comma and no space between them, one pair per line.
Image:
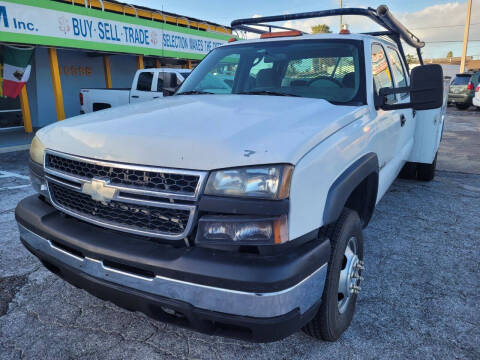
382,16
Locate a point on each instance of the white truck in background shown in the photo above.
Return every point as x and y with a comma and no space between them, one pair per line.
148,84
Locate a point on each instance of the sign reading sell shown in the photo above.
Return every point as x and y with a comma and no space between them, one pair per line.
51,23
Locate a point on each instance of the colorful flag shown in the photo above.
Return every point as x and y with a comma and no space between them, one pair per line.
16,69
1,80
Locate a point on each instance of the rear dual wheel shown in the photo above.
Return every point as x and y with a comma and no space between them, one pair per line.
462,106
422,172
426,172
342,285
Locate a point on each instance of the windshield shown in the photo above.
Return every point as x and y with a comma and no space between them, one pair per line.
322,69
461,80
185,74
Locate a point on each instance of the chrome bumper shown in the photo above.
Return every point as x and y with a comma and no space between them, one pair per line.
303,295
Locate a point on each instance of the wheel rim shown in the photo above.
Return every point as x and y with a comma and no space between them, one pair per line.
350,275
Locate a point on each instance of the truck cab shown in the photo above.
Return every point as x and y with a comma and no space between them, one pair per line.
237,205
147,84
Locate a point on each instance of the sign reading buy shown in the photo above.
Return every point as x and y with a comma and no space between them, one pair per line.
45,22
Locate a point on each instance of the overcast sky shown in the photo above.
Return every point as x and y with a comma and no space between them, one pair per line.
437,22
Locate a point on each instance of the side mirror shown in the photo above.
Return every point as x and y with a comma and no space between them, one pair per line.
168,92
426,90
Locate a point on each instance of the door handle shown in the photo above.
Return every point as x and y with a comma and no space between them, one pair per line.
156,97
135,96
403,120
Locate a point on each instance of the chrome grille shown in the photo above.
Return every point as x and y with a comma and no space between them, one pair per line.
140,217
136,204
138,178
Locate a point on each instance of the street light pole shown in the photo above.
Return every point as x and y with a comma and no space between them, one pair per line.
341,22
465,37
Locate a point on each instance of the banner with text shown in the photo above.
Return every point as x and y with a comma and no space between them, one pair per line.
56,24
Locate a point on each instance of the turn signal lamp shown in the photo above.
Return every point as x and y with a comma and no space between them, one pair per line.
280,34
232,39
242,230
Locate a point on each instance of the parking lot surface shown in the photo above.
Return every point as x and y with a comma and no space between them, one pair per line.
420,297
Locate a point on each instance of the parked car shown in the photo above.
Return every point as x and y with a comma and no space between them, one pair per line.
240,213
148,84
476,98
462,90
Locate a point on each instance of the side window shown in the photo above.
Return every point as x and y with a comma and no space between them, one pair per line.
398,71
145,81
170,80
160,81
381,72
179,82
260,67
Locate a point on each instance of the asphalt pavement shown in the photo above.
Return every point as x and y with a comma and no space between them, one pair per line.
420,298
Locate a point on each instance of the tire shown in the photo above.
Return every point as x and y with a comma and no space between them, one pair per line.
426,172
332,319
462,106
409,171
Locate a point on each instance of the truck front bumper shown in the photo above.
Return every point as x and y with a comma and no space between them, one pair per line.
255,297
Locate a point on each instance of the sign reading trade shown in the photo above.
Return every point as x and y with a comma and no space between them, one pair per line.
57,24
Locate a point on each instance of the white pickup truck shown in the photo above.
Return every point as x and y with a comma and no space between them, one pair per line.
240,212
148,84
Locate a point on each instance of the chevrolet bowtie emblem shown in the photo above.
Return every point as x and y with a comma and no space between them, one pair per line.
99,191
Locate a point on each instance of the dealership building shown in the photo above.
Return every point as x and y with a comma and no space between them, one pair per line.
90,44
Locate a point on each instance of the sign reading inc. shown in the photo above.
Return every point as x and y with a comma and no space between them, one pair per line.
57,24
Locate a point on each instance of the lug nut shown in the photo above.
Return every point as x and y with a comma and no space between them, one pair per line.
356,289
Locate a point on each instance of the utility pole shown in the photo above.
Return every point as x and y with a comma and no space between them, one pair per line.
465,37
341,22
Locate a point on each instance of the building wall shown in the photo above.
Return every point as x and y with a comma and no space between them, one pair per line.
78,70
123,69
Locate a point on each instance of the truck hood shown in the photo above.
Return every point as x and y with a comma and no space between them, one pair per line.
202,132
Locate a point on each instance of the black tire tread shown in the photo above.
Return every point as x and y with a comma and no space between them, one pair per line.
409,171
426,172
462,106
315,327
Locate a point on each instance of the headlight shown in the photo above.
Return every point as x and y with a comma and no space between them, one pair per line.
37,150
266,182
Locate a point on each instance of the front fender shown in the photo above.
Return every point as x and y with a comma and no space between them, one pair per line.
346,183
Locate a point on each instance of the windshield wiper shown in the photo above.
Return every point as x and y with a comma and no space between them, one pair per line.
267,92
195,92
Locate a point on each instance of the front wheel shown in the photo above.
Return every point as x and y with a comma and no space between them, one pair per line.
343,279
